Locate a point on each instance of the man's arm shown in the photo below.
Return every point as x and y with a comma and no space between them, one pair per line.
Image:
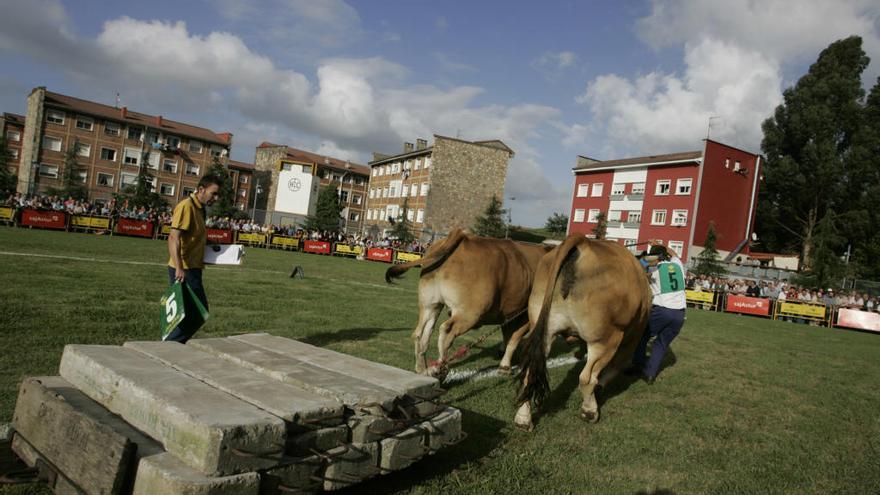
174,251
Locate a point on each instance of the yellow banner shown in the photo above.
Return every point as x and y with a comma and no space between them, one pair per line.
166,230
346,249
252,238
694,296
5,214
404,256
800,309
90,222
285,241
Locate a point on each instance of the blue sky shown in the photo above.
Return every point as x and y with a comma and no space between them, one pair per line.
551,79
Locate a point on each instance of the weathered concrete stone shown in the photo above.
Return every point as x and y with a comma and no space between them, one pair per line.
300,476
366,428
7,457
47,472
327,383
167,475
351,464
443,428
402,382
320,440
208,429
289,402
6,432
65,427
403,449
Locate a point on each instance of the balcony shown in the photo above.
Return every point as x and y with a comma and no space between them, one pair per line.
635,197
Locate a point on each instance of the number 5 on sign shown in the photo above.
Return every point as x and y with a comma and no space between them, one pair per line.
671,278
173,309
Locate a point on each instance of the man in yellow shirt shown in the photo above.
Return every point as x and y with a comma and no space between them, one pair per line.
186,243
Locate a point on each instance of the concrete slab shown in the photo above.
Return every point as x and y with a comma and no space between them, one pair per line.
367,428
51,475
443,429
351,464
321,440
403,449
167,475
210,430
6,432
291,403
349,390
298,477
401,381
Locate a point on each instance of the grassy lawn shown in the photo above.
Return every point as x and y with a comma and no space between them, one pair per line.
744,406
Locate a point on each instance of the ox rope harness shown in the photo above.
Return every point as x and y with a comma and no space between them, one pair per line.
463,351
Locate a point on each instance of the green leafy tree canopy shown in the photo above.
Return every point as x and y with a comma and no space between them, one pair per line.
557,224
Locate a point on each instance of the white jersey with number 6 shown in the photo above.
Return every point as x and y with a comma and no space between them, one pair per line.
667,284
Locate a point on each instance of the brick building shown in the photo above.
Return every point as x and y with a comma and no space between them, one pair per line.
671,198
111,143
291,180
445,185
242,175
13,131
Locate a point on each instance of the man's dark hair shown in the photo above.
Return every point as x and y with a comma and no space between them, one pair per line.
661,251
210,179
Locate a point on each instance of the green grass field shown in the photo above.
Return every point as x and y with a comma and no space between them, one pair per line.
745,405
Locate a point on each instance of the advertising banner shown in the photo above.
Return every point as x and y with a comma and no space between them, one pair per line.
318,247
44,219
694,296
349,250
6,214
380,254
217,236
90,222
140,228
748,305
800,309
285,242
404,256
853,318
251,238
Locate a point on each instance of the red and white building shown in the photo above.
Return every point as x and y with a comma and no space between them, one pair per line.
670,198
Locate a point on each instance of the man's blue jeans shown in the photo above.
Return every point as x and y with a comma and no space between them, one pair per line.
664,324
192,278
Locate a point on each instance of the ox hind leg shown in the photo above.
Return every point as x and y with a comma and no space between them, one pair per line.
512,344
599,354
428,314
457,324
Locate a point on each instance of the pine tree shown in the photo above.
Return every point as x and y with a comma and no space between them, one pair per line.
327,211
8,180
402,229
142,192
827,267
601,227
707,262
224,206
491,222
70,182
557,224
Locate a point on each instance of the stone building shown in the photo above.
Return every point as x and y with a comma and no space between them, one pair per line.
111,143
13,131
444,186
291,179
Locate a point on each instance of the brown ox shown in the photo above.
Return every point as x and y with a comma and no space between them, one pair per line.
597,291
482,281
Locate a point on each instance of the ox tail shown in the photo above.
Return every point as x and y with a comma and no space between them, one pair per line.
533,377
432,259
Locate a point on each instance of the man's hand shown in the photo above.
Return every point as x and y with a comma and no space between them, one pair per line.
179,274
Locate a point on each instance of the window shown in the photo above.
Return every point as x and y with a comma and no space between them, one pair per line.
375,171
418,164
638,188
372,193
662,187
593,216
135,133
424,191
736,166
420,216
127,179
81,176
105,180
12,135
369,214
579,215
614,215
55,117
187,191
84,150
658,217
84,123
111,129
51,143
727,163
404,191
618,189
218,151
172,142
356,199
395,167
385,192
634,217
386,170
597,190
679,218
242,179
50,171
170,166
153,160
13,153
242,192
131,156
358,181
343,196
354,216
410,215
683,186
108,154
195,147
583,190
193,169
677,246
407,165
427,161
167,189
414,190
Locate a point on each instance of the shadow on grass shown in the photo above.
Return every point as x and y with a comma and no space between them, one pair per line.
485,434
346,335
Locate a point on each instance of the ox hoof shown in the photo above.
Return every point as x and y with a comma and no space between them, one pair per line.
504,370
590,416
438,372
525,426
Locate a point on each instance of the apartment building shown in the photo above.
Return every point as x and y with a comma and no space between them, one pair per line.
443,186
242,176
13,131
110,147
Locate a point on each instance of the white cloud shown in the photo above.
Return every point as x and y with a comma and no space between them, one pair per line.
553,64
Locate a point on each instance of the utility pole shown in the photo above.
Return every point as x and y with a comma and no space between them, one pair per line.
257,191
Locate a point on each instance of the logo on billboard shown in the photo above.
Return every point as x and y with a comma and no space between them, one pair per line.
294,184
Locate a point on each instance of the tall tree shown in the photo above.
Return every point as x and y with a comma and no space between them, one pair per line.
491,223
142,192
225,204
827,267
557,224
862,224
71,185
327,211
601,227
708,262
402,228
8,180
806,144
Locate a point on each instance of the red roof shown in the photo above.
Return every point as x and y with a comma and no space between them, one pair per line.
686,156
320,160
14,118
123,115
240,165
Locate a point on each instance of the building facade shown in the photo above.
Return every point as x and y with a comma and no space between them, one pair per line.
111,145
242,176
438,187
290,180
670,198
13,132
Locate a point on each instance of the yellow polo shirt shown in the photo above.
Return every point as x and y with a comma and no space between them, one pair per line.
189,217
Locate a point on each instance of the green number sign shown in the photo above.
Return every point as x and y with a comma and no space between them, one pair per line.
181,307
671,278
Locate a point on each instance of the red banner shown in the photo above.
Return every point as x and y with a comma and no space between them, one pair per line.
220,236
380,254
863,320
44,219
140,228
748,305
319,247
